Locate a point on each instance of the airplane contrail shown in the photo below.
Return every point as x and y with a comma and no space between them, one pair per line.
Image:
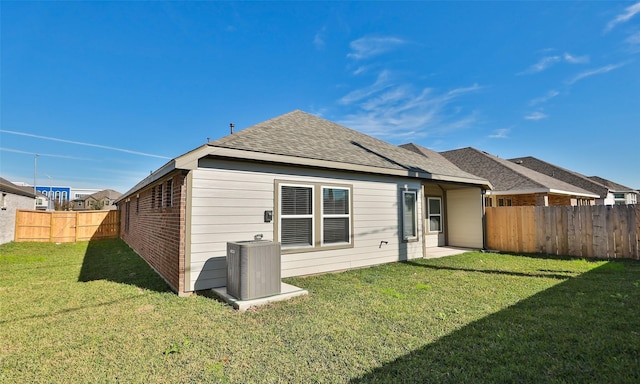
45,154
84,144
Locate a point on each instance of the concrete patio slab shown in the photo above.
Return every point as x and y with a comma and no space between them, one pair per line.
287,291
435,252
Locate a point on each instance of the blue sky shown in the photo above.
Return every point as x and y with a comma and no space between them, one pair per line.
107,92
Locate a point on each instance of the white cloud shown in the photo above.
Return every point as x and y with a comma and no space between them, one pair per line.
501,133
633,40
548,61
387,109
569,58
593,72
318,39
543,99
541,65
535,116
382,82
628,13
367,47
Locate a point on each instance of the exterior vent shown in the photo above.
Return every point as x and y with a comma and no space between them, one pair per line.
253,269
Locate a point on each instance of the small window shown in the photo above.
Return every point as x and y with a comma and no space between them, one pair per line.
409,217
159,196
137,205
296,216
336,227
435,214
169,198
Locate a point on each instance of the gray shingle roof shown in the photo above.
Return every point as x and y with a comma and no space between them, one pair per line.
7,186
303,135
506,175
570,177
613,187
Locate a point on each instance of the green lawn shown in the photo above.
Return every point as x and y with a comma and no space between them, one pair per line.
95,312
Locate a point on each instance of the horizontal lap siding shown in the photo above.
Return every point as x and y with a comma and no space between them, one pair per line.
228,202
464,209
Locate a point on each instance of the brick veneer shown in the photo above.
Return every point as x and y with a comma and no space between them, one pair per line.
157,233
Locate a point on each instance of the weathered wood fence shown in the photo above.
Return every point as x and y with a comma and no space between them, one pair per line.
585,231
66,226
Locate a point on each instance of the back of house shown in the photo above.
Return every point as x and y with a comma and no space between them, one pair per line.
333,198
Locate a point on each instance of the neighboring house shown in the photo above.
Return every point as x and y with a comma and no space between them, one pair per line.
12,198
102,200
333,198
516,185
592,184
621,195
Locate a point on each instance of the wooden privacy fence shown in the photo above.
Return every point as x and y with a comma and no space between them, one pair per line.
66,226
585,231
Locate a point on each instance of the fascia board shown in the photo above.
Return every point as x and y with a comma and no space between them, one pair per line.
540,190
290,160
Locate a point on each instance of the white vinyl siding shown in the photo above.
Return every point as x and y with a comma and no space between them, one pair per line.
228,201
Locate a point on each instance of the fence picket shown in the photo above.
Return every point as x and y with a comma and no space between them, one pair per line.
584,231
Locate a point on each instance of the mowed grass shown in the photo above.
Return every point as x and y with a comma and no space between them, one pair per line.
95,312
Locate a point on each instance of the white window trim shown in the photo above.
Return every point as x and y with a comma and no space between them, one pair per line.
329,216
415,215
429,214
282,216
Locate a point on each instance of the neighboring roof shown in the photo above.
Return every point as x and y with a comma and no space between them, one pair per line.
300,138
571,177
613,187
108,193
507,176
9,187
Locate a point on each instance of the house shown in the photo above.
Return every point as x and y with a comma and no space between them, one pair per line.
621,195
101,200
333,198
13,198
605,189
517,185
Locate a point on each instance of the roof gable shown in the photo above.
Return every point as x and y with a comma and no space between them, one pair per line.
9,187
568,176
302,135
301,139
506,175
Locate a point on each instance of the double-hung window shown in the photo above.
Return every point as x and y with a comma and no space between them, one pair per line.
314,216
336,218
435,214
296,216
409,216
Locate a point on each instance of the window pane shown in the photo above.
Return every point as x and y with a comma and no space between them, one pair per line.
336,230
434,224
335,201
409,215
296,200
434,206
296,232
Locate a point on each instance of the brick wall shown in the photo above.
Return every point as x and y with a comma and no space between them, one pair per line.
537,199
156,226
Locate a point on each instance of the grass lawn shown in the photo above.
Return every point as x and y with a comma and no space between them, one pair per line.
95,312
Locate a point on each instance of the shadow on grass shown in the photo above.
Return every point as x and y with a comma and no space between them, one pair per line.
585,329
547,274
113,260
